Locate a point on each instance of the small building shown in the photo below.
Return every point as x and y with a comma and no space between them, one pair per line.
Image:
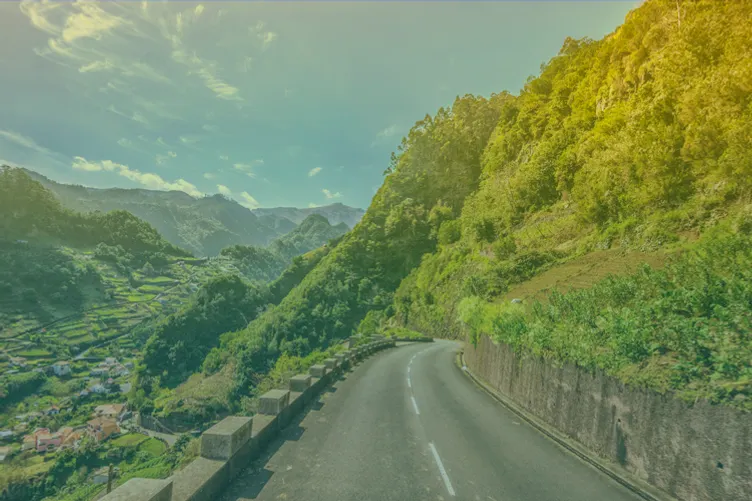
99,371
6,434
53,411
29,442
110,360
61,368
111,411
102,428
129,365
48,442
98,388
19,362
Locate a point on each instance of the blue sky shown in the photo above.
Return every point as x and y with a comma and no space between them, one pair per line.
272,104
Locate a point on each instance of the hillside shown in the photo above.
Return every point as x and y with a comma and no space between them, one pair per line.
205,225
635,142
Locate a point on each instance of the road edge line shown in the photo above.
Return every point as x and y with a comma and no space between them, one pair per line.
626,479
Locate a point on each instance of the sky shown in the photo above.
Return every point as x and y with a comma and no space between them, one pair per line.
269,103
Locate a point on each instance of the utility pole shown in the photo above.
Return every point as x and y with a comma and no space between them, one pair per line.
109,479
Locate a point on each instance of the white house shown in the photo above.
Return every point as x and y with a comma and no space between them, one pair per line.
61,368
98,388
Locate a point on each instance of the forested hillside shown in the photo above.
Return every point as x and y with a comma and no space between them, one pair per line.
638,141
205,225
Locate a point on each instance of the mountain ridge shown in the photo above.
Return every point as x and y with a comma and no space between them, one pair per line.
202,225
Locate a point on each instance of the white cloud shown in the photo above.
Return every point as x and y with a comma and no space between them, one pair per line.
209,175
248,201
91,22
312,205
314,171
210,128
222,89
147,179
161,159
24,141
388,132
248,168
384,134
135,116
224,190
224,157
36,11
267,38
104,65
331,195
198,10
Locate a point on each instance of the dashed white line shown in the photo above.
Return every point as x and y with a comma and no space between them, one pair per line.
415,405
442,471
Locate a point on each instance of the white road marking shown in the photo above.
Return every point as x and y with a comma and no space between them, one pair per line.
415,405
443,472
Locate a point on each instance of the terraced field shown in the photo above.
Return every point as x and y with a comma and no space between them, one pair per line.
125,304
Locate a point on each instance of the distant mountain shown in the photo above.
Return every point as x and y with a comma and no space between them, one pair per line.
310,234
334,213
204,226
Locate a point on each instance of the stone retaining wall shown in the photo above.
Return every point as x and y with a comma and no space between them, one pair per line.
693,452
231,445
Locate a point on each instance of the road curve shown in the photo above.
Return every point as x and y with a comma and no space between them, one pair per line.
408,425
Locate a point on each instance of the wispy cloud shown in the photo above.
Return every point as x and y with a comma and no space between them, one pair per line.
161,159
388,132
24,141
209,175
312,205
248,201
147,179
314,171
328,194
247,168
135,116
384,134
224,157
104,65
224,190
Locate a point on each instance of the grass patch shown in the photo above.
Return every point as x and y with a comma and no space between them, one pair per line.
129,440
153,446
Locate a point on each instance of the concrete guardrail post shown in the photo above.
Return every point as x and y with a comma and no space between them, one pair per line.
225,438
331,364
273,402
318,370
142,489
300,383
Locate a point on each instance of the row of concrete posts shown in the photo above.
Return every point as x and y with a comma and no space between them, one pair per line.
229,446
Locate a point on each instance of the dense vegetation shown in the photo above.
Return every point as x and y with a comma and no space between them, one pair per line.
635,141
178,343
685,327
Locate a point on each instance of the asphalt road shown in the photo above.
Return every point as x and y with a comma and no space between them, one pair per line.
408,425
